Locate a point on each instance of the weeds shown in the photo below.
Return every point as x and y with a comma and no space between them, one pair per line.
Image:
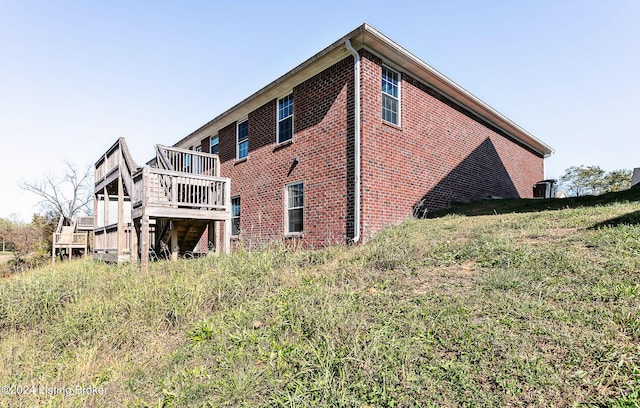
530,309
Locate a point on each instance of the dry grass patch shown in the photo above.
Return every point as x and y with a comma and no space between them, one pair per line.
525,309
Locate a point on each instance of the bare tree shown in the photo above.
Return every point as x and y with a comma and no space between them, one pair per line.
64,196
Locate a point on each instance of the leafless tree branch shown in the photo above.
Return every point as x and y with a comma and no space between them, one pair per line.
64,196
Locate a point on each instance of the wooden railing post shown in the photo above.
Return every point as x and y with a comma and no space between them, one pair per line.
144,243
121,232
227,221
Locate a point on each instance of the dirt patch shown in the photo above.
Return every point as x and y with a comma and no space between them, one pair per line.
5,257
456,278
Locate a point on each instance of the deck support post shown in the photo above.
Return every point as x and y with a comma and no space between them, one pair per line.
105,220
121,233
144,243
174,242
227,221
134,243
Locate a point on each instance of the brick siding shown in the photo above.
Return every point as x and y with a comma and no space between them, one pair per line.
323,145
440,154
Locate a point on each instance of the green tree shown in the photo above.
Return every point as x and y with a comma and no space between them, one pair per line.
27,240
581,180
46,224
618,180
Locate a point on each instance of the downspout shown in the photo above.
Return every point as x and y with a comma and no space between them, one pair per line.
356,143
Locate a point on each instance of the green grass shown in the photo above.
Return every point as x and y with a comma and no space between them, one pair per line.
525,307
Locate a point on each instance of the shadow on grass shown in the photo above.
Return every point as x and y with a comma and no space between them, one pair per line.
625,219
488,207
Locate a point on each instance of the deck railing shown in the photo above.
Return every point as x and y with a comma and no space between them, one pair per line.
187,161
84,223
106,238
163,187
118,153
108,163
74,239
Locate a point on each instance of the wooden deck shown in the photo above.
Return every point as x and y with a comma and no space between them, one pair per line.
71,239
165,203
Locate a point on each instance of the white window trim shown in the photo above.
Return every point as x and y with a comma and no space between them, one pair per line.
286,209
278,120
238,139
384,66
238,217
216,136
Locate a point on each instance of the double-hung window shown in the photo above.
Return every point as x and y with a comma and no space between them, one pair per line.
213,147
390,96
243,140
285,119
295,208
235,216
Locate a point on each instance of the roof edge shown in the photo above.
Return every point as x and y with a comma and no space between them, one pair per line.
451,89
273,84
416,67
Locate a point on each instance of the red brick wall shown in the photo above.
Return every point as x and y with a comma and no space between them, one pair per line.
439,155
323,144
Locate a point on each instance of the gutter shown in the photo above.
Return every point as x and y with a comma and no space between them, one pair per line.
356,141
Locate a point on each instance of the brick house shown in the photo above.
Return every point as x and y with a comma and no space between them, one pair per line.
360,136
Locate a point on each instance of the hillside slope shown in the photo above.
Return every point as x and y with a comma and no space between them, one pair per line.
531,308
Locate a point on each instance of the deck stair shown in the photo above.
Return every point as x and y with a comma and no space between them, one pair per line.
172,201
71,238
188,234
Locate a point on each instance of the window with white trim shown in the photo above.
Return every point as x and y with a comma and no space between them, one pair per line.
235,216
285,119
390,96
242,149
295,208
213,147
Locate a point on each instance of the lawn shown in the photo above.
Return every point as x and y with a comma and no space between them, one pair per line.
493,305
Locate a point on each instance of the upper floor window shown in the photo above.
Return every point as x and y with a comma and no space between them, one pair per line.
213,149
285,118
295,208
243,140
390,96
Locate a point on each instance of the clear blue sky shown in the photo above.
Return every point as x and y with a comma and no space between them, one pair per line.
76,75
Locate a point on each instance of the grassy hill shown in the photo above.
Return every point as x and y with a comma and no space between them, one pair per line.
534,303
